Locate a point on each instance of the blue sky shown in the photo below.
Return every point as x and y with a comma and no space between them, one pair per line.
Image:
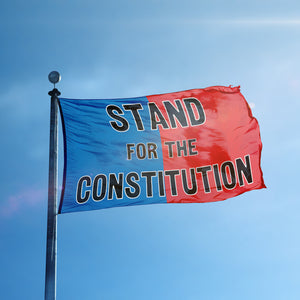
243,248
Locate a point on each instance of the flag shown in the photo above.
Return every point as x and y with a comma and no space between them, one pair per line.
199,145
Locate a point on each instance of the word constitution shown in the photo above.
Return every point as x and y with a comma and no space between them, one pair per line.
105,186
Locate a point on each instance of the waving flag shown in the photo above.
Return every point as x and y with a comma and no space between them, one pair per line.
200,145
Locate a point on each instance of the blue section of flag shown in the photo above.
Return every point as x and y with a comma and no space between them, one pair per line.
93,147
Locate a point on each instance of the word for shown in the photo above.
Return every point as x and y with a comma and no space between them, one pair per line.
142,151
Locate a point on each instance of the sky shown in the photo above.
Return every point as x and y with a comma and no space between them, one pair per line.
247,247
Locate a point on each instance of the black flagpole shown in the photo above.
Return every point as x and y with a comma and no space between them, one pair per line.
50,280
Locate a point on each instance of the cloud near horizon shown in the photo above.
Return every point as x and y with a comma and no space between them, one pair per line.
28,197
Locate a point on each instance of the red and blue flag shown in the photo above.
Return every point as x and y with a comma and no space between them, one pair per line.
199,145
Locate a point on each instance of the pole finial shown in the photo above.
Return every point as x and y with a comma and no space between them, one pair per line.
54,77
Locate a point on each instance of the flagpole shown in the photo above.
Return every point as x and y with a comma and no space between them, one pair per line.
50,279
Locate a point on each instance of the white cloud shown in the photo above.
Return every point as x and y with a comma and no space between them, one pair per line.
29,197
261,22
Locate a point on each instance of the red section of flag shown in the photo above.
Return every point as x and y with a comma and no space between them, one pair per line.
212,161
